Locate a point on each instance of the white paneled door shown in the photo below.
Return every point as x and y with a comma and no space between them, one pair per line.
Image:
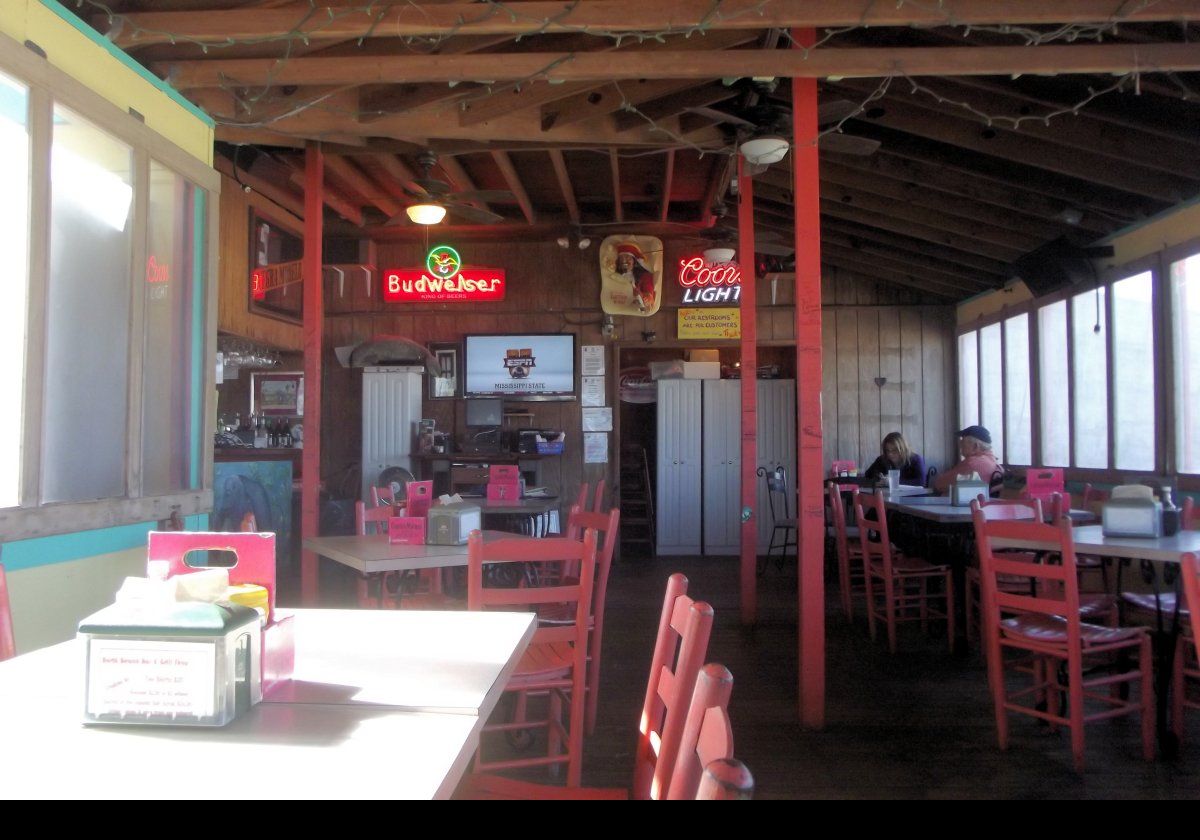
679,468
722,465
391,409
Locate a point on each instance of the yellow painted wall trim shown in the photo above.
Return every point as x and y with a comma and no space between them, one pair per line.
105,70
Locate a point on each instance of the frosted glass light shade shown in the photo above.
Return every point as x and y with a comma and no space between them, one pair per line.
426,214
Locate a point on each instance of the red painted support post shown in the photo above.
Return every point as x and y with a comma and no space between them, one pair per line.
749,583
809,509
314,322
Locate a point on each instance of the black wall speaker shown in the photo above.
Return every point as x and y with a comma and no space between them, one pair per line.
1057,265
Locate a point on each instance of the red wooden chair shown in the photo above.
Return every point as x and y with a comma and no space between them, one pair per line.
1186,666
1042,483
726,778
707,733
581,500
851,573
839,467
902,581
8,644
682,643
391,594
556,660
1189,517
598,501
997,509
1060,506
1044,622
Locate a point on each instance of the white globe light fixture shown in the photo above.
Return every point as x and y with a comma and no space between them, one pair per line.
764,150
426,214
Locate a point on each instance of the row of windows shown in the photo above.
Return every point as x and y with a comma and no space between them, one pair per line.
1081,381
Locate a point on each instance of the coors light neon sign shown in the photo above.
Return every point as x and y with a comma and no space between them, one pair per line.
710,282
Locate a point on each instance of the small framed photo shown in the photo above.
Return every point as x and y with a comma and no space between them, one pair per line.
446,385
277,394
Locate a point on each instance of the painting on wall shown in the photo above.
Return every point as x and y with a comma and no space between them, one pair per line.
631,270
261,488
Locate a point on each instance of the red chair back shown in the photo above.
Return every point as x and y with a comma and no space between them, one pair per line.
598,501
581,501
1189,569
707,734
1094,497
881,551
8,644
1042,483
995,510
726,778
679,651
1189,519
371,520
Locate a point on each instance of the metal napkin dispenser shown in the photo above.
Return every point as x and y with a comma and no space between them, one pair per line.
449,524
1132,517
180,663
963,492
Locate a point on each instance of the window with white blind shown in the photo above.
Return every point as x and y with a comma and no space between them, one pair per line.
1017,408
1185,340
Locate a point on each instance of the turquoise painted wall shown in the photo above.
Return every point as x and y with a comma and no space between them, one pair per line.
63,548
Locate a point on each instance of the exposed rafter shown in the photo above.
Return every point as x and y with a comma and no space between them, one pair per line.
614,164
504,162
564,184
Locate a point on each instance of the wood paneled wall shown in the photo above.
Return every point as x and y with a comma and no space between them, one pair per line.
912,347
233,313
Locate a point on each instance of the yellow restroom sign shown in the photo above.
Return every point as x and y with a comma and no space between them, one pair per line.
710,323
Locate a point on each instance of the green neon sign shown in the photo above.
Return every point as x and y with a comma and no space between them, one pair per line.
443,262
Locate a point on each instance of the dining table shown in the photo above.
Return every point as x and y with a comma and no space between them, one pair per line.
382,704
1162,557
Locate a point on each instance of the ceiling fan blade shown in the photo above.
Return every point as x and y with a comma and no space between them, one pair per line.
400,218
848,144
773,249
432,185
481,195
835,109
721,116
474,214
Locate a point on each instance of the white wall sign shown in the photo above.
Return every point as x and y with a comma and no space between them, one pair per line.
593,391
595,448
593,360
597,419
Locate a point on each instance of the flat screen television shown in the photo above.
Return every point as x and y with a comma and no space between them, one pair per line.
530,366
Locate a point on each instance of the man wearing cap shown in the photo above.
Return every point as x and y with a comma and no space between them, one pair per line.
631,264
975,446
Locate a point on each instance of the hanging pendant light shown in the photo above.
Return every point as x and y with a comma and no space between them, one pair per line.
426,214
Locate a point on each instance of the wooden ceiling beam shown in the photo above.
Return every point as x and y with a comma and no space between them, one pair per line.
718,182
1075,132
988,269
956,282
614,164
661,109
277,193
909,115
354,178
615,16
564,184
916,230
399,170
504,162
943,180
680,64
460,180
334,200
868,271
608,99
668,182
377,102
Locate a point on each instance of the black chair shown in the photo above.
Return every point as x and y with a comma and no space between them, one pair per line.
930,475
781,517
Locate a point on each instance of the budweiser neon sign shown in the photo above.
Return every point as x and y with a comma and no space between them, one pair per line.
710,282
277,276
443,280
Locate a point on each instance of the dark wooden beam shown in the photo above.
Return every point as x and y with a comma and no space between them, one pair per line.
334,201
608,99
504,162
353,177
917,257
894,278
661,109
951,283
285,198
614,163
679,64
533,18
993,271
668,182
917,230
460,180
564,184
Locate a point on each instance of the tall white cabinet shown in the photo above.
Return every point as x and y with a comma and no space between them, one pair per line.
699,461
391,407
678,482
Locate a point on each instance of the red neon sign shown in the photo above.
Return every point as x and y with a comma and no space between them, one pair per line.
412,285
156,273
258,284
710,282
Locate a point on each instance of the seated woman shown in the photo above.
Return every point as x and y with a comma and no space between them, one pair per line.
975,446
896,455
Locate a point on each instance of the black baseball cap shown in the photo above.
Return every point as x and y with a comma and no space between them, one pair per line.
977,432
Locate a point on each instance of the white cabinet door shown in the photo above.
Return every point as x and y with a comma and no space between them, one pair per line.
391,408
776,447
722,465
678,466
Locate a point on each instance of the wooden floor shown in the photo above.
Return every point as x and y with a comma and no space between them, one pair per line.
915,725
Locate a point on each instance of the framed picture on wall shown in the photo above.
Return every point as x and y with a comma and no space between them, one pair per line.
277,394
447,384
275,284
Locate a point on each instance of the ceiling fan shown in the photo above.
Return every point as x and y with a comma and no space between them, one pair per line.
438,194
769,119
726,236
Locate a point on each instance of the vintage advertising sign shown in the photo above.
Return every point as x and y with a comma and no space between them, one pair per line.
710,323
631,270
443,280
635,385
270,277
709,283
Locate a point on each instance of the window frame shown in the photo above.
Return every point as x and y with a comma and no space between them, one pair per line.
31,518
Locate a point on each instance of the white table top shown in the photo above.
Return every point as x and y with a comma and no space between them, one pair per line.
933,509
1090,539
415,660
363,744
902,490
373,553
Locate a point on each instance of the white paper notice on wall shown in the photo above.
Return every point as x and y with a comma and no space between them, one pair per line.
593,390
597,419
595,448
593,360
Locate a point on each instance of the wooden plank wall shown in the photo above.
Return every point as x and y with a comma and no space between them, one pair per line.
872,331
233,314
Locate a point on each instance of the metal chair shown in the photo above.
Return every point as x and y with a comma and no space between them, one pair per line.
781,517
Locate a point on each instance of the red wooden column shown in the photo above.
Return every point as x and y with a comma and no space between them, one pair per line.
314,322
809,512
749,582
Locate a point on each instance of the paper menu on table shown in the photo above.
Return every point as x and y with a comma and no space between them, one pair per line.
592,357
593,391
595,448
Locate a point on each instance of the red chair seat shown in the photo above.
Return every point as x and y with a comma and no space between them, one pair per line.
1145,602
1052,629
906,566
1096,606
544,661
